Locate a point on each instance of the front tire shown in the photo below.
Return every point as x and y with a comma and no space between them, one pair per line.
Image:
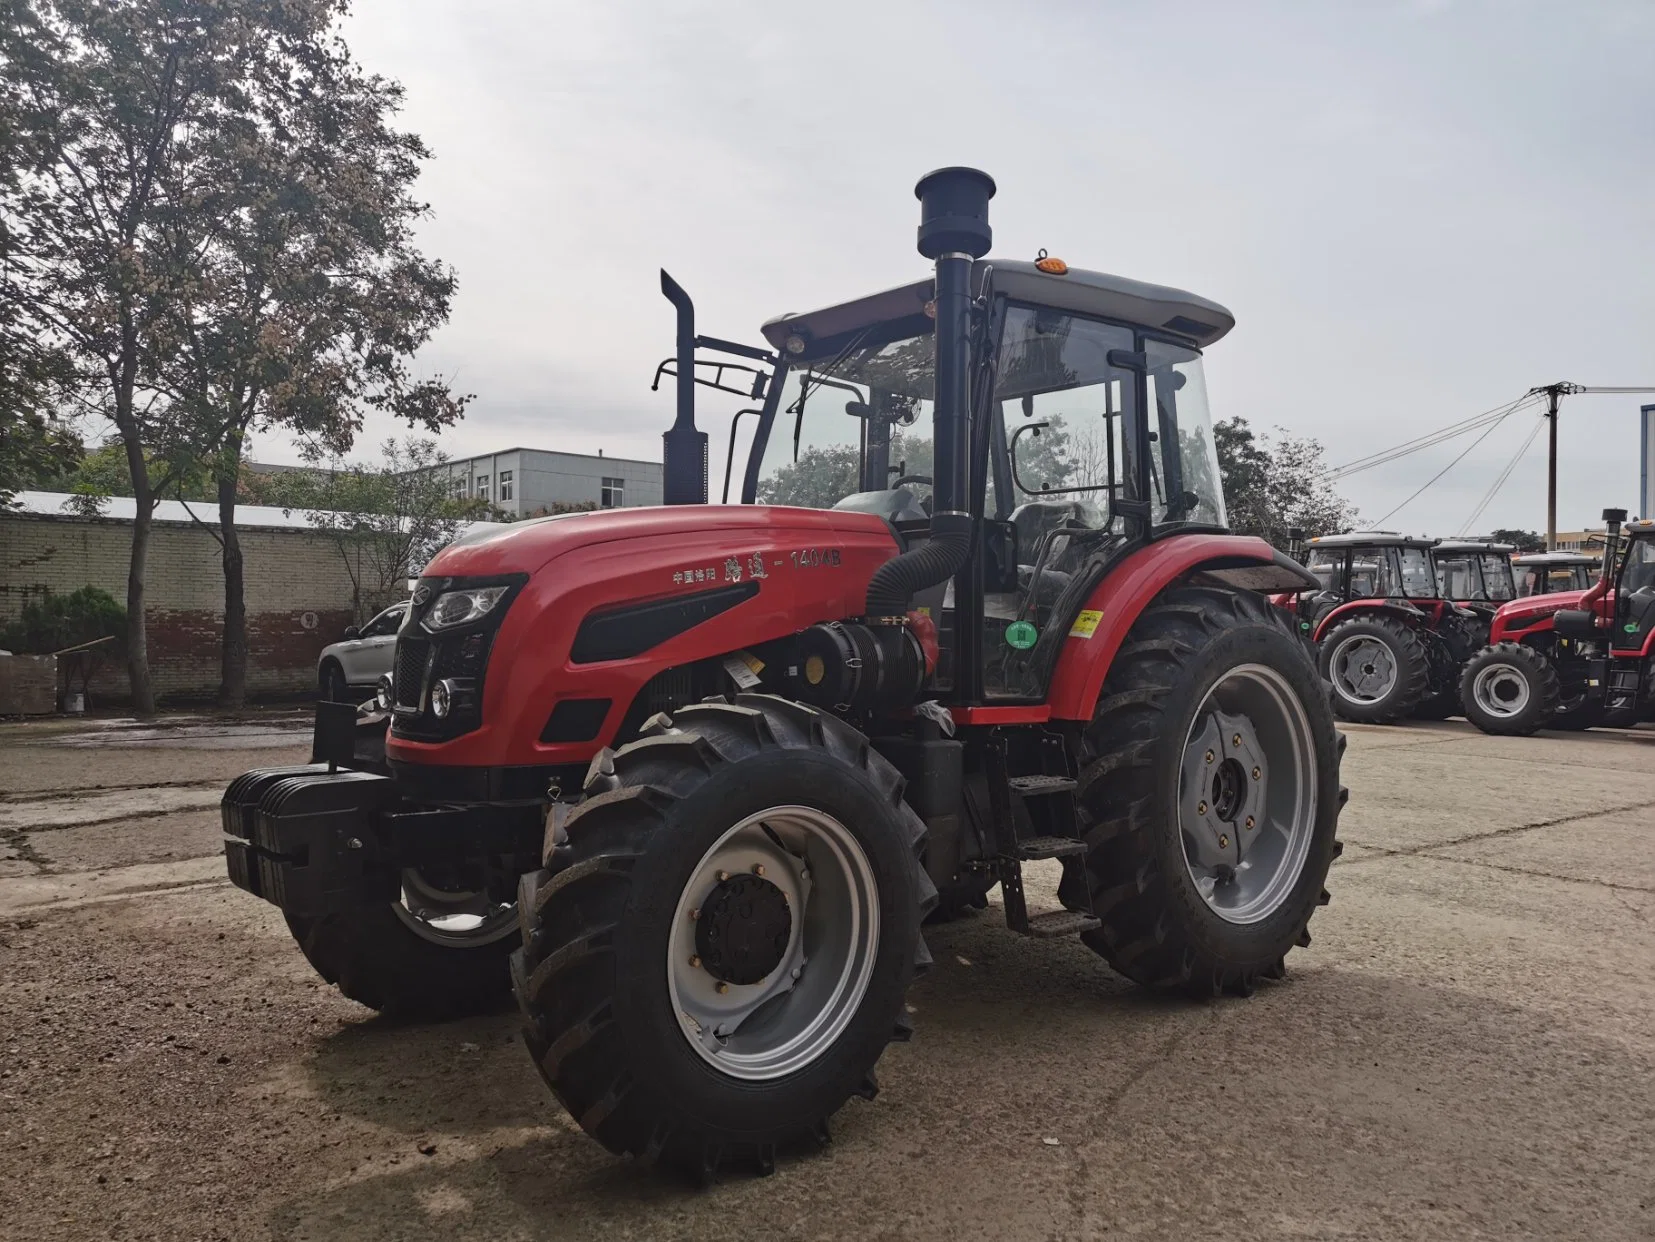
435,955
1378,668
723,951
1212,727
1510,690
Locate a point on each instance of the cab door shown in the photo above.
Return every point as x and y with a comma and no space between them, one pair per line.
1635,595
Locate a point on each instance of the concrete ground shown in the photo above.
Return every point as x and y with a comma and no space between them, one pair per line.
1467,1050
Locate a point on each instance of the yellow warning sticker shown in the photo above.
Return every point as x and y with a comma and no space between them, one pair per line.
1086,623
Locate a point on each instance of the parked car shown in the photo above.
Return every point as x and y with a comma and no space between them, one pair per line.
351,668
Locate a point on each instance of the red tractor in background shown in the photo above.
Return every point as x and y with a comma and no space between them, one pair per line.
1544,573
1573,659
1387,640
701,772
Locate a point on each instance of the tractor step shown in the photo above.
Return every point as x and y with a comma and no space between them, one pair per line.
1041,786
1049,847
1062,923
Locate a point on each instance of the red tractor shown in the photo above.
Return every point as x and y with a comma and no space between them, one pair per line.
700,773
1388,641
1573,659
1543,573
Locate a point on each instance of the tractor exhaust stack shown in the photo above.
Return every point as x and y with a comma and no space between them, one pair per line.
953,232
683,448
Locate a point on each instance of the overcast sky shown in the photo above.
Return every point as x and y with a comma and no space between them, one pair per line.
1415,209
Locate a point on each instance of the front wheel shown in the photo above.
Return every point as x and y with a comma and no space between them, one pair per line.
1209,796
441,951
723,952
1509,689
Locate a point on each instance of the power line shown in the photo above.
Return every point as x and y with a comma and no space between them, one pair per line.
1487,431
1505,474
1431,439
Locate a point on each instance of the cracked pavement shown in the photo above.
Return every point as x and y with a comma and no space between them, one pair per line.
1466,1050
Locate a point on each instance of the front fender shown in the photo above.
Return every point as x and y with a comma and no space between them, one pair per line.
1116,603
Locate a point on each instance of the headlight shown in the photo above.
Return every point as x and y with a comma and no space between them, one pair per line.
382,693
442,699
462,607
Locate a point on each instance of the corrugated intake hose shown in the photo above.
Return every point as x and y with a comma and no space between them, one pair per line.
896,582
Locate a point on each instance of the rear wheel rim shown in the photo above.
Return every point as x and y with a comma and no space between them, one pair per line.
1247,794
456,918
1364,669
1501,690
825,945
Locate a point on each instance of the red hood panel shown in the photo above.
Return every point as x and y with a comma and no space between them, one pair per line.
526,546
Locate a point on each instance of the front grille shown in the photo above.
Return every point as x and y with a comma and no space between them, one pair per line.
408,683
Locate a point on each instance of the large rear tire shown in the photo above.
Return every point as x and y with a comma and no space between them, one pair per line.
1510,689
1378,668
685,1022
1209,796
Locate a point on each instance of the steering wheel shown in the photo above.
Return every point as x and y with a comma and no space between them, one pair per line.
913,478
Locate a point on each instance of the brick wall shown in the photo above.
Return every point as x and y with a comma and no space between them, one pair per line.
297,588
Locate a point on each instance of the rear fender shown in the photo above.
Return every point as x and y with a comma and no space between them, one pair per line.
1383,607
1235,561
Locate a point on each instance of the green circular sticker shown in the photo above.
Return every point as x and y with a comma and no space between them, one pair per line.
1021,634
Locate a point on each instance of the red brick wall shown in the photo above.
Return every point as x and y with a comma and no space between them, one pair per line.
292,576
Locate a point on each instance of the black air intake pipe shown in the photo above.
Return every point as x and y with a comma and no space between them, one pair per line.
953,231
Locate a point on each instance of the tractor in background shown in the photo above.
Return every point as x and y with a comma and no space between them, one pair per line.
689,779
1475,574
1387,641
1545,573
1573,659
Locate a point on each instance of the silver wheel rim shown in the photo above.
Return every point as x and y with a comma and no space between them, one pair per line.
1247,794
453,918
791,1016
1363,668
1500,690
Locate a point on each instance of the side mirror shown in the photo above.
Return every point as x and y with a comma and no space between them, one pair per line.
351,631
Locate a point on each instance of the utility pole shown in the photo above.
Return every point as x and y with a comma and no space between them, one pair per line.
1553,392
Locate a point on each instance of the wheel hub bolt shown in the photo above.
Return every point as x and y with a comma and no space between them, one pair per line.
695,962
1210,756
1257,773
758,868
722,876
1223,842
723,988
695,914
1249,821
1236,739
1200,808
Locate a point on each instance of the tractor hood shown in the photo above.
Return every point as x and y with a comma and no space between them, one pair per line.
528,546
1533,606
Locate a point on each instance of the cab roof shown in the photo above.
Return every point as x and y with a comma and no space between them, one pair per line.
1371,539
1554,558
1474,545
1187,317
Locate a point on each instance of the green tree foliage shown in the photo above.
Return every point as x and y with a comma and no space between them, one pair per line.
1273,486
387,518
1522,540
51,622
206,219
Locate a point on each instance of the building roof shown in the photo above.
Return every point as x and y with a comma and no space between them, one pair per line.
1474,545
1554,558
1186,315
1372,539
177,512
523,448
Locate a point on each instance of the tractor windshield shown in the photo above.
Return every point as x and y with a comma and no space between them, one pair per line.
859,421
1497,577
1326,565
1418,581
1457,576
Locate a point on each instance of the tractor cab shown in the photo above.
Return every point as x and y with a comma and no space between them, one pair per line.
1544,573
1475,573
1365,565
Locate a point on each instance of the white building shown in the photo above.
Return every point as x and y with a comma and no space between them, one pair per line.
523,481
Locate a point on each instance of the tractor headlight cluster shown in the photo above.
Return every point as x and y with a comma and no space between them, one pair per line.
451,694
454,608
